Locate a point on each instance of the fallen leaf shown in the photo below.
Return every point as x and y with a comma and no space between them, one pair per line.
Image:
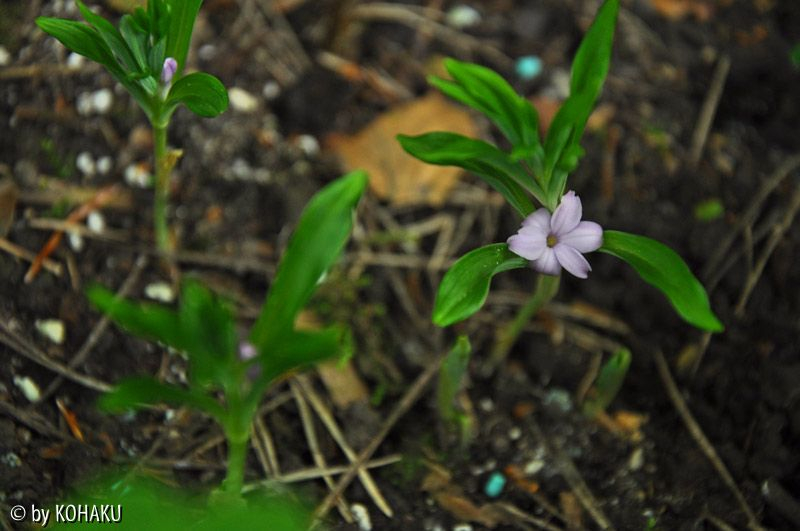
396,176
680,9
344,385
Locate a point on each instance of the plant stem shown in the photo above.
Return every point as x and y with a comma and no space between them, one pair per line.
237,455
546,288
162,167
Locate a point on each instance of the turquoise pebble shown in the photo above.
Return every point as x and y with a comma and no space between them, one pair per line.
528,67
494,485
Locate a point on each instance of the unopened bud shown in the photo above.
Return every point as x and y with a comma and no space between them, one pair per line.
170,67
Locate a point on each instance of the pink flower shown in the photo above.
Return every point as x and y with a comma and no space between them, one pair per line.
169,69
553,242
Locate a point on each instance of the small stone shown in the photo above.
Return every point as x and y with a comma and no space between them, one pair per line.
52,329
159,291
486,405
85,163
5,57
494,485
361,516
533,467
207,52
75,60
138,176
529,67
558,398
242,101
271,90
11,460
461,17
28,388
514,433
96,222
636,460
104,165
308,145
84,104
462,527
75,241
102,100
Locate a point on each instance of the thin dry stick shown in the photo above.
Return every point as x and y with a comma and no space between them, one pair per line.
709,109
21,252
516,512
702,441
30,351
750,215
778,231
330,423
32,420
265,447
409,399
316,473
313,445
101,326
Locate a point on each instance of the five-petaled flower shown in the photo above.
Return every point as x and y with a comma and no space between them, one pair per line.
169,69
554,241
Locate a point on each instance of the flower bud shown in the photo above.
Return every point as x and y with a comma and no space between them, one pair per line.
170,67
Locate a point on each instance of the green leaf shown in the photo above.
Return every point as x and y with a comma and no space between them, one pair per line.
465,286
202,93
498,169
562,146
151,321
137,42
451,377
487,92
661,267
79,38
591,62
608,383
179,33
112,37
300,349
134,393
208,333
321,233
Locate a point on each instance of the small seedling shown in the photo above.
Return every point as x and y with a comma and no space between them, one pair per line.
228,376
532,177
146,54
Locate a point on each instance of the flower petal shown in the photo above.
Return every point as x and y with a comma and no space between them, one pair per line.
572,260
567,214
586,237
539,220
528,245
547,263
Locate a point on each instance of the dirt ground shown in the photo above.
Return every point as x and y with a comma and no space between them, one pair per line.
706,429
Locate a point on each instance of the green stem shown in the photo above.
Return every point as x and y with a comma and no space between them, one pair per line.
546,288
237,456
162,167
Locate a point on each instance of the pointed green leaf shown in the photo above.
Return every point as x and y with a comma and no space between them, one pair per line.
79,38
451,377
182,15
608,383
495,167
133,393
663,268
111,36
320,236
137,43
590,66
151,321
299,350
465,286
202,93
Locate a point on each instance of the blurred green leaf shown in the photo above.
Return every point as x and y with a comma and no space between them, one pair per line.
709,210
202,93
135,393
498,169
136,40
608,383
79,38
299,350
182,15
661,267
451,378
591,62
320,236
112,38
465,286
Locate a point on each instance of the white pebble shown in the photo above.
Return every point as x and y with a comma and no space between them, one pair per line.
361,516
52,329
462,16
136,175
102,100
462,527
28,388
75,60
207,52
5,57
104,165
308,144
486,405
84,104
514,433
636,460
96,222
85,163
242,101
159,291
271,90
75,241
533,466
11,460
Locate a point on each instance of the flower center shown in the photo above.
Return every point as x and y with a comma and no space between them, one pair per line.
551,240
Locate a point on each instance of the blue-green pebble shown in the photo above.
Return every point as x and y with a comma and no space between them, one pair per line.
494,485
529,67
